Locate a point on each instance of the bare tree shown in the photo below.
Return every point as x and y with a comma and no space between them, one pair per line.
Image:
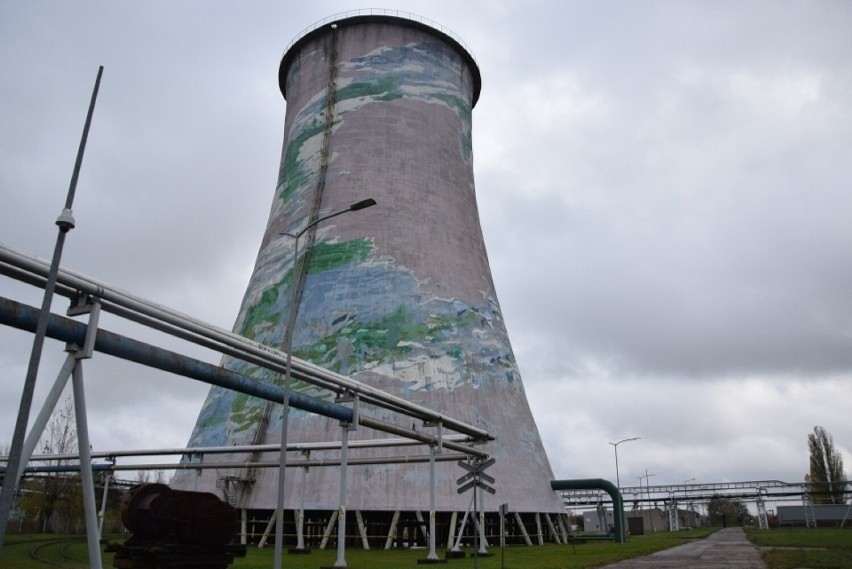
725,511
826,478
144,477
54,493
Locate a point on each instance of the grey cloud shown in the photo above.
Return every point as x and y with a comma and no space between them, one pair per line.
662,186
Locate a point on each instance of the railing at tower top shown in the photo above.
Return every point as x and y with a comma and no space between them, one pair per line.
29,268
381,12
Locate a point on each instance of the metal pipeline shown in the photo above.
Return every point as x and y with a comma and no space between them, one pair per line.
599,484
25,317
301,369
309,462
242,449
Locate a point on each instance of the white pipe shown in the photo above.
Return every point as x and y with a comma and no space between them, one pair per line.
237,449
303,370
400,459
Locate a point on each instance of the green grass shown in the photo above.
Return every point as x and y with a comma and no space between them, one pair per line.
592,554
549,556
50,547
822,548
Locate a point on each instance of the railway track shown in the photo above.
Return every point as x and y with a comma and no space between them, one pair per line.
39,551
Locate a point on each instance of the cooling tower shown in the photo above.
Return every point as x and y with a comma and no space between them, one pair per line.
398,296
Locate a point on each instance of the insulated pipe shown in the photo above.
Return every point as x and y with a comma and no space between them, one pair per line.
31,274
310,463
598,484
365,421
25,317
238,449
302,370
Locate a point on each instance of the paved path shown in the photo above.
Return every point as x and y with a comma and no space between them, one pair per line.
726,549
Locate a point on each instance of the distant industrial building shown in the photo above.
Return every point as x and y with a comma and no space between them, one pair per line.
639,522
815,515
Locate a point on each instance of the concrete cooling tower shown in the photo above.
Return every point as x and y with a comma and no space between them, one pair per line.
398,296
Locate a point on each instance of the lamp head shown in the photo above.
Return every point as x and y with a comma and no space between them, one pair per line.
362,204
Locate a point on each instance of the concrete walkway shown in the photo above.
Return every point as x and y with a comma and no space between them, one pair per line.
727,548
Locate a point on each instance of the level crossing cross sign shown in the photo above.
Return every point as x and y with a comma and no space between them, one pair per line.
475,476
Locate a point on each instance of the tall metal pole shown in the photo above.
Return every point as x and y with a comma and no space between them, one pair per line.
341,508
285,413
87,480
648,493
65,221
617,479
615,447
288,348
432,555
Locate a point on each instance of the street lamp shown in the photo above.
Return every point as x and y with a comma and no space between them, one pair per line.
288,348
615,447
690,504
648,489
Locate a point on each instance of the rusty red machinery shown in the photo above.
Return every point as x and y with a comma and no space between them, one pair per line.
175,529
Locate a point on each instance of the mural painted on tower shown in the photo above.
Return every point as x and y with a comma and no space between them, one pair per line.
398,296
422,340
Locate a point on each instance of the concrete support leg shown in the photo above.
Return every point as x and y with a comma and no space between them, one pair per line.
392,530
271,524
243,526
562,528
552,529
457,545
329,526
538,529
451,537
362,530
523,528
423,531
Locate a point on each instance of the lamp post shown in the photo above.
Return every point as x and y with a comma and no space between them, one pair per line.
615,448
617,479
288,348
690,504
65,223
648,490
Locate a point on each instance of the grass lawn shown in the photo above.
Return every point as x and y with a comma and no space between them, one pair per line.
16,553
789,548
804,547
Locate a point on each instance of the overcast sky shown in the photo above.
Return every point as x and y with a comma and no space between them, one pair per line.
664,190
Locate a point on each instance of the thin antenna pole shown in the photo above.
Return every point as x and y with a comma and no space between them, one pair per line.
72,188
65,221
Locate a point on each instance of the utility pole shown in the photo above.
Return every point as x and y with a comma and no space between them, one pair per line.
66,223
